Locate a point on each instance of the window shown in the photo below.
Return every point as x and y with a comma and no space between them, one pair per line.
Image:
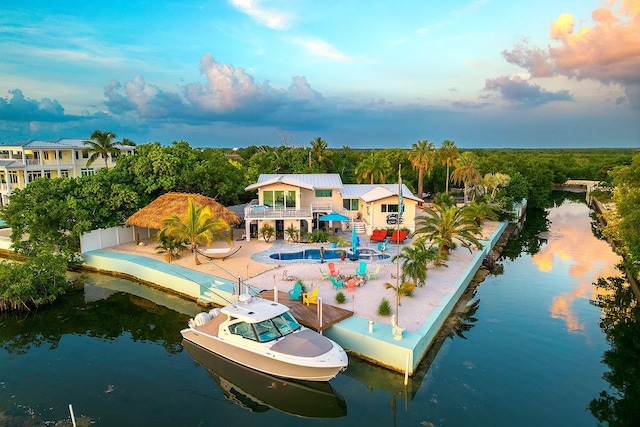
389,208
64,173
13,176
33,175
86,171
47,174
350,204
324,193
279,199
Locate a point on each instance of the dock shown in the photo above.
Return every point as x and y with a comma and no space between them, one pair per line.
308,315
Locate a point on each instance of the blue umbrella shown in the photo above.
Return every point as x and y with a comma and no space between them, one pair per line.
354,241
333,216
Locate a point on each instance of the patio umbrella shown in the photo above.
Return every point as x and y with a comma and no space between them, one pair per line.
333,216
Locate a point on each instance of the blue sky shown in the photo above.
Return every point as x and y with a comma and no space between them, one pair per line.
233,73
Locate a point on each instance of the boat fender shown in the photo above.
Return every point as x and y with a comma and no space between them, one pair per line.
202,318
214,312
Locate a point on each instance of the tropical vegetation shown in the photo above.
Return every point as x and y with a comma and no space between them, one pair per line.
197,227
444,224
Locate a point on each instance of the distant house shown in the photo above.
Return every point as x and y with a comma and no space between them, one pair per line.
299,200
22,162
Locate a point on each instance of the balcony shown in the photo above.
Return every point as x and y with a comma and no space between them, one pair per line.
266,212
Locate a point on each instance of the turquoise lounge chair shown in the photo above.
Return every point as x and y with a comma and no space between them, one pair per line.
361,270
335,283
296,292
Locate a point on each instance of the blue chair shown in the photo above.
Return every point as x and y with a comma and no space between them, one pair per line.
296,292
335,283
361,270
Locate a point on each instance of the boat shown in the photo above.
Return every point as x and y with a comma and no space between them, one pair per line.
263,335
260,392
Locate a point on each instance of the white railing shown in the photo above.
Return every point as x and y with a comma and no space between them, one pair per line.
262,211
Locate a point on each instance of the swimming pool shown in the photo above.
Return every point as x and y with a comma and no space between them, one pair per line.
328,254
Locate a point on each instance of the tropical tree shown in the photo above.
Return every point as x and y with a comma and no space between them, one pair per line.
198,226
448,153
102,144
318,147
422,156
466,172
479,212
401,290
444,224
372,168
415,259
493,181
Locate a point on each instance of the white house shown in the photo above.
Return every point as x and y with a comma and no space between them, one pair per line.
22,162
299,200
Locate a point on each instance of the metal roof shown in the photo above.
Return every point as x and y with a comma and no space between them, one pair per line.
372,192
321,181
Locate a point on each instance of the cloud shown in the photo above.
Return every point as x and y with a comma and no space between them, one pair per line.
271,18
322,48
608,52
19,108
519,90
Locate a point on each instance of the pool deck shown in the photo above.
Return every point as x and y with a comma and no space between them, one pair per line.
374,342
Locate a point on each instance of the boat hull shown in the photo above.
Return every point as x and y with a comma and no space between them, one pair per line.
322,368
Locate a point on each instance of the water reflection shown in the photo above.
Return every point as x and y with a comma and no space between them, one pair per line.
260,392
570,254
618,406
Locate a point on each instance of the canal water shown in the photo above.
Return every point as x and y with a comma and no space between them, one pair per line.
538,343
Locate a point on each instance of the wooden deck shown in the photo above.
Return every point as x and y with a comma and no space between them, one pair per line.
308,316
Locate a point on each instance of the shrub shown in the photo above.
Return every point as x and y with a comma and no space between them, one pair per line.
340,298
384,309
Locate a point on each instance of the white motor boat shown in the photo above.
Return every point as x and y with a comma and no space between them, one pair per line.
263,335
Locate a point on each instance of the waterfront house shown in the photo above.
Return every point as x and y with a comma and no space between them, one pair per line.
299,200
22,162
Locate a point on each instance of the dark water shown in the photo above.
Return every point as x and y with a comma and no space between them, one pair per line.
538,345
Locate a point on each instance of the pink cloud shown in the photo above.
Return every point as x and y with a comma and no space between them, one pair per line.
608,51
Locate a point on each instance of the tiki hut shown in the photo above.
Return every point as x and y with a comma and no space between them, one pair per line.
152,215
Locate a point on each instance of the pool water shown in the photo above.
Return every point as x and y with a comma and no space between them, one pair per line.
328,254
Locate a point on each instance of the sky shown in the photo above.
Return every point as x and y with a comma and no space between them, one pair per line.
357,73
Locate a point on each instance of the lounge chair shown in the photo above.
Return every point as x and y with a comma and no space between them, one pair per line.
361,270
310,297
378,236
336,284
332,270
324,275
373,274
398,236
296,292
351,285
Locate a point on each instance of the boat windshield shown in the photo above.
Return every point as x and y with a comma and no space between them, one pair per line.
267,330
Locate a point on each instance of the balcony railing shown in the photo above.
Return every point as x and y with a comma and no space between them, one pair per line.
261,211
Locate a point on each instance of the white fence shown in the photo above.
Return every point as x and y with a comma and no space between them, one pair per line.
107,237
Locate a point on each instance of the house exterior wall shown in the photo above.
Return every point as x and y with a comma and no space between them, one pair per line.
372,213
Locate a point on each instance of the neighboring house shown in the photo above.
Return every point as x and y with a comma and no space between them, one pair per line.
300,200
22,162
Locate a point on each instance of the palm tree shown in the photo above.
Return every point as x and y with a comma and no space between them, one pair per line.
444,224
466,172
102,144
422,157
318,146
403,289
414,261
479,211
197,227
448,153
372,167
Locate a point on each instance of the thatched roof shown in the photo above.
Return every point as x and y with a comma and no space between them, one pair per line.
152,215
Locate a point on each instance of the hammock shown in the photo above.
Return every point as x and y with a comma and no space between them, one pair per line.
219,253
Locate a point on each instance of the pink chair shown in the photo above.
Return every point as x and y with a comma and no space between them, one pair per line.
332,270
351,285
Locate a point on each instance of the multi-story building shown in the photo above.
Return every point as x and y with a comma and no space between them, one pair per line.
22,162
299,201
